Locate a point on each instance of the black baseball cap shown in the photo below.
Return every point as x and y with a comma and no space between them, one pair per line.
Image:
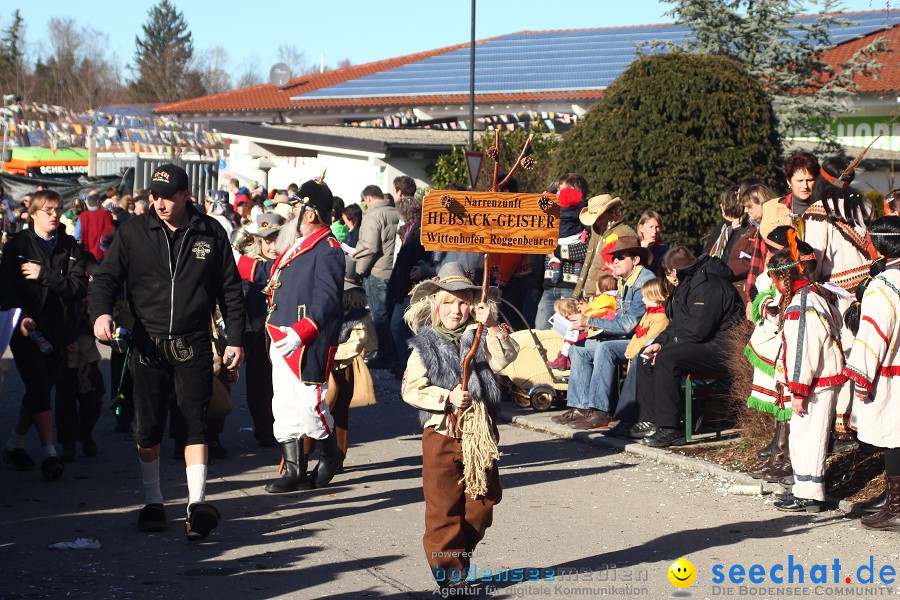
167,180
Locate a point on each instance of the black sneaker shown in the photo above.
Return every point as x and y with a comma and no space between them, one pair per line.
620,429
52,468
19,459
791,503
665,437
152,518
641,430
202,518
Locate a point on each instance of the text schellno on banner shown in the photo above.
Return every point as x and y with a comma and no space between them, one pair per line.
490,222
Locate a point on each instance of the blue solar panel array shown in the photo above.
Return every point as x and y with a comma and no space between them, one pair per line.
542,61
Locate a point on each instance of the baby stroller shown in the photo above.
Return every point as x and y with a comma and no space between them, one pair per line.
530,380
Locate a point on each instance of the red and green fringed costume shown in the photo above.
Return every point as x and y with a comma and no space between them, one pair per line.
762,350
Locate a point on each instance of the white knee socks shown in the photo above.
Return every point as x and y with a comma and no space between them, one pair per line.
150,480
196,480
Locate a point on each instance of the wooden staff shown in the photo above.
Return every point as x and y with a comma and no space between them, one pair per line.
494,153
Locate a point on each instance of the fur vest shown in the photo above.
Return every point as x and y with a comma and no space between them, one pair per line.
443,360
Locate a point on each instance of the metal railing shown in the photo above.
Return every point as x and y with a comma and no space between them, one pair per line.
203,173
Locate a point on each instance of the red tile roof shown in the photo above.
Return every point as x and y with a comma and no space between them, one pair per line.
885,80
268,97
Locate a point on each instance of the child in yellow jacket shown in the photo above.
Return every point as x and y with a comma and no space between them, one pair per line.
654,320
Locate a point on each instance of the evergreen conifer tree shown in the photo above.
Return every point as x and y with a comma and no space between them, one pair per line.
162,57
782,52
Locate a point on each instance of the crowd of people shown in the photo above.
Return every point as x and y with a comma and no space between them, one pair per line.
800,268
311,292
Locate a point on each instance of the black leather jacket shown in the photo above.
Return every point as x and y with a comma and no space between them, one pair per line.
172,301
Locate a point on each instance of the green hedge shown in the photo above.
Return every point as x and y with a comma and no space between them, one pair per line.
670,134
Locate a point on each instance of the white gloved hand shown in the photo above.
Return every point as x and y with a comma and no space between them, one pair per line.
289,343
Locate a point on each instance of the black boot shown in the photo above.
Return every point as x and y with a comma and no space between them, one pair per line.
331,459
294,476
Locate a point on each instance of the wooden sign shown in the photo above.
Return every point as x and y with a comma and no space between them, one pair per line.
490,222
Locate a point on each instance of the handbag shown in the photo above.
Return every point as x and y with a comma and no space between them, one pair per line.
363,386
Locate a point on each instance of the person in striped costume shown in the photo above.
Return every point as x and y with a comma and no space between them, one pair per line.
809,371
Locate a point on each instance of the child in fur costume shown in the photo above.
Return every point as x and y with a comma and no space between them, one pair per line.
460,478
809,370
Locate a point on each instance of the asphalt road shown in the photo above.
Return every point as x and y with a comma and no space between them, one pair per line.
592,521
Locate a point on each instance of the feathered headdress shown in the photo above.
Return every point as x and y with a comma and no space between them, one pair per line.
845,176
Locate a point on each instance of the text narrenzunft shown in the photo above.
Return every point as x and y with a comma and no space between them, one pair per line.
490,222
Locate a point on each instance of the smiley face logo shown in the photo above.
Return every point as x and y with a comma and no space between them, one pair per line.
682,573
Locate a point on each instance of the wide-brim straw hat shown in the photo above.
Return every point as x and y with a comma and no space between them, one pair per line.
596,207
774,215
451,278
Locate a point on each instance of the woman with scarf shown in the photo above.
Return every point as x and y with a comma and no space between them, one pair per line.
460,478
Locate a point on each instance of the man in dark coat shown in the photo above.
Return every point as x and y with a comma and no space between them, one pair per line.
703,306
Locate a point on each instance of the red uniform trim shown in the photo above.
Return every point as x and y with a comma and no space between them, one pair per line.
247,268
319,409
294,359
858,379
823,382
307,329
798,389
890,371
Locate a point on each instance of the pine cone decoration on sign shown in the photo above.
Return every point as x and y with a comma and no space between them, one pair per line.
544,203
446,201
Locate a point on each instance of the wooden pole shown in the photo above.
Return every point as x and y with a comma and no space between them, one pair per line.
485,280
486,276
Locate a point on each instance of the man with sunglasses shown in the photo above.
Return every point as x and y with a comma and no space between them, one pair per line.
176,265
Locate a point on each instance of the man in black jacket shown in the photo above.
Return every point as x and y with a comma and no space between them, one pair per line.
703,305
177,265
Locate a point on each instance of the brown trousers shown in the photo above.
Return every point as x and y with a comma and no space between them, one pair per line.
454,521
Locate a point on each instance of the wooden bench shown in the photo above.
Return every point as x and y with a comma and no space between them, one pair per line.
694,384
